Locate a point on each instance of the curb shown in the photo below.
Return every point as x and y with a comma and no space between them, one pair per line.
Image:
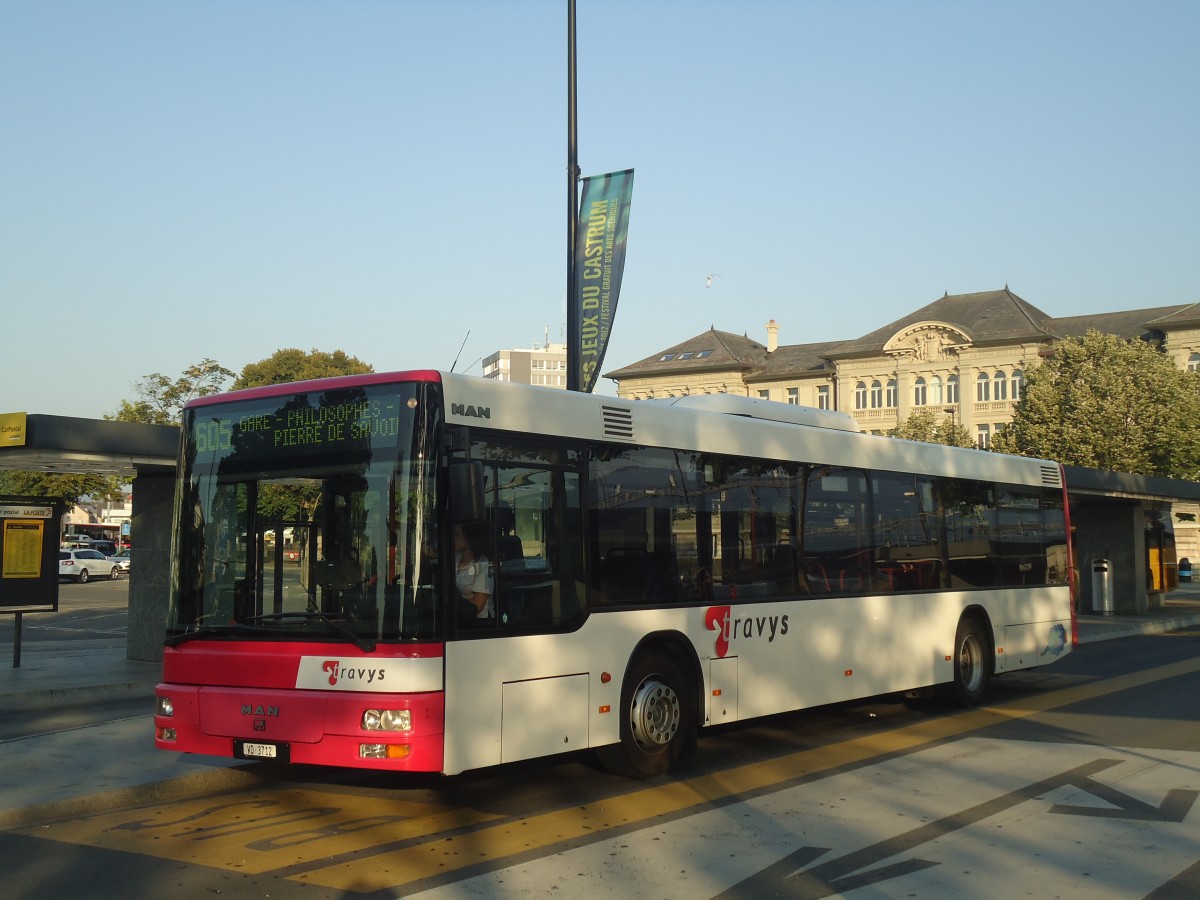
1111,628
215,781
78,696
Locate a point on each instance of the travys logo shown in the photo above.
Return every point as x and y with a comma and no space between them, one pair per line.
351,673
729,629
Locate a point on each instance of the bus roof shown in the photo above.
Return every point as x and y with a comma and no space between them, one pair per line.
717,423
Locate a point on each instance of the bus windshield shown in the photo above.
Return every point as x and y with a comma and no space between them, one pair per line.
309,515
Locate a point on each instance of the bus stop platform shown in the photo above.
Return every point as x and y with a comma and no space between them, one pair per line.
74,770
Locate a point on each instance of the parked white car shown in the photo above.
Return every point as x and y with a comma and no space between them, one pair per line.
84,565
121,559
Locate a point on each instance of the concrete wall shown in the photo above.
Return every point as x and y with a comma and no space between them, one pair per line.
150,563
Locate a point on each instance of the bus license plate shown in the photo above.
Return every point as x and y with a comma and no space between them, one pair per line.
253,750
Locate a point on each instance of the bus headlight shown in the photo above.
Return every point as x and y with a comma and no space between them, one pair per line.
384,751
387,720
165,706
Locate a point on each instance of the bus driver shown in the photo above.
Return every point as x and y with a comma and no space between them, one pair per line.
472,576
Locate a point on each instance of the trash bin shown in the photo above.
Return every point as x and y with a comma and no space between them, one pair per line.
1102,587
1185,569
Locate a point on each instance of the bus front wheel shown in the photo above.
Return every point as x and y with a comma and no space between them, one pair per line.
972,663
658,721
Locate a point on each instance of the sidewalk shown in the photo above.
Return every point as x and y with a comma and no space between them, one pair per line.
77,771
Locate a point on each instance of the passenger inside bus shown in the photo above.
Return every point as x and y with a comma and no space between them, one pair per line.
472,576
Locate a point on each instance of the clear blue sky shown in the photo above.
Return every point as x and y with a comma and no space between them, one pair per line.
225,178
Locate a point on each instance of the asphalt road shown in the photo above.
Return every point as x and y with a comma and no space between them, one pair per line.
1078,780
96,612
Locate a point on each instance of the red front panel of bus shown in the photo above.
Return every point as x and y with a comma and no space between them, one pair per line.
302,703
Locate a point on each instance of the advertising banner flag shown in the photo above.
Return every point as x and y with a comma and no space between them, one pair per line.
599,264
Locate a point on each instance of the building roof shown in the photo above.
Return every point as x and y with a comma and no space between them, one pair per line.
1129,324
708,351
986,317
795,360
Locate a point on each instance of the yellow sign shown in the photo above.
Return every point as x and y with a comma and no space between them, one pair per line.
23,548
12,429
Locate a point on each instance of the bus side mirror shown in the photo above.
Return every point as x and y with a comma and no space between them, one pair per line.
466,492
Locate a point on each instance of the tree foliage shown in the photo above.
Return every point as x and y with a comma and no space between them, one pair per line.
296,365
932,427
289,502
67,488
161,399
1106,403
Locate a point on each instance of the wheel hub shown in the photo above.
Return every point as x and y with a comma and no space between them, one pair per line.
656,714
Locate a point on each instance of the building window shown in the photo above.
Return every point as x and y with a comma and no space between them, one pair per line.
935,391
952,389
876,395
1017,382
793,396
764,395
1000,386
1194,362
889,399
823,396
983,436
983,388
860,395
919,392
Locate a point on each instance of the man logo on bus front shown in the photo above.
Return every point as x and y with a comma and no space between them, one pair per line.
720,619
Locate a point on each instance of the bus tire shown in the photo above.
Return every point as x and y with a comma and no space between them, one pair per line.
658,719
972,663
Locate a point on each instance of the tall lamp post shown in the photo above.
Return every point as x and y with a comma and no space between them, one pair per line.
573,359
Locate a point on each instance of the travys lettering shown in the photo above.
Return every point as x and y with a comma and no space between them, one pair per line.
721,620
350,673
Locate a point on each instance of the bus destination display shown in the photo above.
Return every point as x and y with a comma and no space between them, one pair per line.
297,425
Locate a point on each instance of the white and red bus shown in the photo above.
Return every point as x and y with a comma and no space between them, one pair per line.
652,569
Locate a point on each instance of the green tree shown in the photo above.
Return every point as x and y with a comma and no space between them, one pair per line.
69,488
296,365
160,399
1107,403
932,428
280,501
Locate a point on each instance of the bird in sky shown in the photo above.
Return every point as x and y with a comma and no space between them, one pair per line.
708,280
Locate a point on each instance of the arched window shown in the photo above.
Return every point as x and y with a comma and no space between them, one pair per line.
935,390
919,392
889,399
1017,382
1194,362
952,389
983,388
999,386
860,395
876,395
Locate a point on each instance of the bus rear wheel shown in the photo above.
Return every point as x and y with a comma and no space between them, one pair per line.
972,663
658,720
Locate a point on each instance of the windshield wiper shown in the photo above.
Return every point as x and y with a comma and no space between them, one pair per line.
174,640
364,644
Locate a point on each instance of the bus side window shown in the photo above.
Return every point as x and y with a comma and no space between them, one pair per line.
837,534
536,549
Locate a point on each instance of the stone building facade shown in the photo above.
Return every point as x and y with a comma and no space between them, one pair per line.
963,355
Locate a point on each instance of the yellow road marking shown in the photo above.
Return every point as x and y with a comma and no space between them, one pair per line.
400,867
274,830
264,830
